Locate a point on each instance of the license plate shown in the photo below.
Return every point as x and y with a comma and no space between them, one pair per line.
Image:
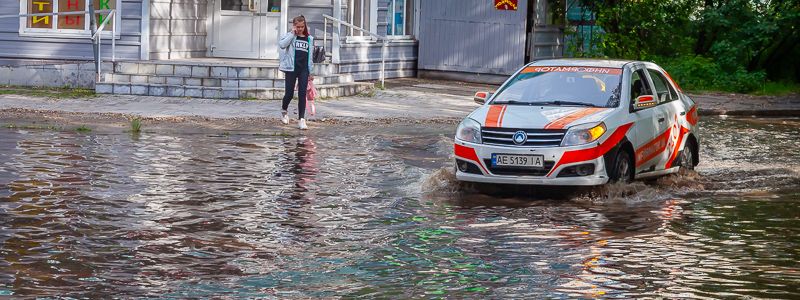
507,160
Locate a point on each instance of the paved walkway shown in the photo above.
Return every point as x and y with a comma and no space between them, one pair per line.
736,104
404,99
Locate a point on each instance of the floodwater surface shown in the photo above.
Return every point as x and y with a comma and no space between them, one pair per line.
367,212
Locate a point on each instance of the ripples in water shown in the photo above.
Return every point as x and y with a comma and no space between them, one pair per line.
371,213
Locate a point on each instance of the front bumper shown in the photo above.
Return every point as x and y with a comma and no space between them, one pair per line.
531,180
480,155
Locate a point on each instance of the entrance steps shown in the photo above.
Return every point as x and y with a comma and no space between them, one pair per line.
218,79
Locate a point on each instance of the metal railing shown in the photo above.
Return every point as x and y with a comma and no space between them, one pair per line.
95,30
334,22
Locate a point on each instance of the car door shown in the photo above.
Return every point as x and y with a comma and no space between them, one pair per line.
644,127
667,119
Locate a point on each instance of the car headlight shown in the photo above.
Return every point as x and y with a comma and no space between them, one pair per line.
583,134
469,131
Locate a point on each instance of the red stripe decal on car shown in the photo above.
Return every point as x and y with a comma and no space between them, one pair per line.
691,116
573,156
502,116
572,117
652,148
674,155
494,116
468,154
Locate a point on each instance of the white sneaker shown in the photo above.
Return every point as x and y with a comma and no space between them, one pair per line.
303,124
285,117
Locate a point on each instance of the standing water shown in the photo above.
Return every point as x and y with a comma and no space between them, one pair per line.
361,212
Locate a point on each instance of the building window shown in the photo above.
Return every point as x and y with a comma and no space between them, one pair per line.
64,25
359,13
550,12
399,17
274,6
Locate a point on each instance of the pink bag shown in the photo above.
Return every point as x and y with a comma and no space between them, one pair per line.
311,94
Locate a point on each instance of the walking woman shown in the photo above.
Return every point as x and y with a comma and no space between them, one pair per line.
295,56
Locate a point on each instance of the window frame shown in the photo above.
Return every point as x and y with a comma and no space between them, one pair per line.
55,32
370,16
544,7
673,95
408,14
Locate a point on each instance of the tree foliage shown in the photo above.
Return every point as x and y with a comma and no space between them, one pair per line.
745,38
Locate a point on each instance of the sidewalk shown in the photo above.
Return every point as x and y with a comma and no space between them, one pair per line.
405,100
748,105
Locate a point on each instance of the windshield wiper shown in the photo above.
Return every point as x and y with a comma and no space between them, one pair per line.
512,102
559,102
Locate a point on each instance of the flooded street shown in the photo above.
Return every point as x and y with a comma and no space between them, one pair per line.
372,212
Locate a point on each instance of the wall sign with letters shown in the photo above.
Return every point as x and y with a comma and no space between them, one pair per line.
506,4
74,25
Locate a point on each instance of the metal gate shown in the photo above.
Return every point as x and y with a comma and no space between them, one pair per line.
471,36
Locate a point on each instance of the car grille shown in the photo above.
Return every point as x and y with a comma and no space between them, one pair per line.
536,137
516,171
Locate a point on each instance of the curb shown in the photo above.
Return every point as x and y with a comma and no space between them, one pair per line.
750,112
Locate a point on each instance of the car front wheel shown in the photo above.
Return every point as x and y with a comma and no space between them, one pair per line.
687,157
622,169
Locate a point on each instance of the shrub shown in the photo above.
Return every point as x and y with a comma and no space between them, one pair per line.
696,73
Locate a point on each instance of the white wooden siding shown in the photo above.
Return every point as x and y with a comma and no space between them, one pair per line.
178,28
12,45
471,36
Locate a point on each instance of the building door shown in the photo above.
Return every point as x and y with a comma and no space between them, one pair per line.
545,30
247,28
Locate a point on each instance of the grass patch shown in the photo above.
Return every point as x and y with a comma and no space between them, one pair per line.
83,128
368,93
282,134
57,93
778,89
136,125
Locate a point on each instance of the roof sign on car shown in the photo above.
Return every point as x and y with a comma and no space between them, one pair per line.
537,69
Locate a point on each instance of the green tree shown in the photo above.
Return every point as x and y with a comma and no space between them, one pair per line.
741,39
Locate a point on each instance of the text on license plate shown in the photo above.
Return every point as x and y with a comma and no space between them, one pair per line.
534,161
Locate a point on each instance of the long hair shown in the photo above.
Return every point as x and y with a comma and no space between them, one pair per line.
301,18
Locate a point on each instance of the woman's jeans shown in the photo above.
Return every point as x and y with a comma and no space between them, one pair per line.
291,78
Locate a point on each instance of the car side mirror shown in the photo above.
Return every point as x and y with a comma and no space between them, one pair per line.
481,97
644,101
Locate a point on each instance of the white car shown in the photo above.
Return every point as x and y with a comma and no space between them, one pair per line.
578,122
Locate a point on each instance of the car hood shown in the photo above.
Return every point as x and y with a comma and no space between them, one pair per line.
537,117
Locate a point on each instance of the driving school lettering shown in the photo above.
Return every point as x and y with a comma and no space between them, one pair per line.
103,5
610,71
653,148
73,5
38,7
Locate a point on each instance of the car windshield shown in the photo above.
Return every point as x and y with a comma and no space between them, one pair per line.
563,86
